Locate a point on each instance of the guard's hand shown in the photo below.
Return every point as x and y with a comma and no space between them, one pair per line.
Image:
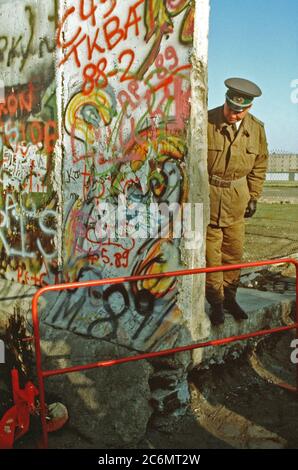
251,208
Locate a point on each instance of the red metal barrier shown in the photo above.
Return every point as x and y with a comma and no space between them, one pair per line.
41,374
16,421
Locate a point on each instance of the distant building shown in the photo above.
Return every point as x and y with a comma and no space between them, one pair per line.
283,163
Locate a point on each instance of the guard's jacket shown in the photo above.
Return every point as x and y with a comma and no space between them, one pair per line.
236,166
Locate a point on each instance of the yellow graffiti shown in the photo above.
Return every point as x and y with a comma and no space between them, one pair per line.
160,259
84,114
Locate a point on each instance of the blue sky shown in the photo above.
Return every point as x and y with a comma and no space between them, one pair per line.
258,40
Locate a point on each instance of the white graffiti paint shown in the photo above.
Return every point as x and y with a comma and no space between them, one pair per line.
14,221
24,168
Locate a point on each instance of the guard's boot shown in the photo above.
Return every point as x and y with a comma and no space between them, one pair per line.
217,316
234,308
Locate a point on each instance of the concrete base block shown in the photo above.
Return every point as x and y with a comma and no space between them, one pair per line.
108,407
265,310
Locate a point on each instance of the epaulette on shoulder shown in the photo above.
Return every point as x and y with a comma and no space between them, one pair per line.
257,120
213,114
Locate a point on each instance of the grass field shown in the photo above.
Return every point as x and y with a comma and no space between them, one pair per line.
281,184
272,232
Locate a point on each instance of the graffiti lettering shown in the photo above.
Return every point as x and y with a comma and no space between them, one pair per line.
14,220
113,32
34,133
17,102
25,277
24,169
13,47
126,124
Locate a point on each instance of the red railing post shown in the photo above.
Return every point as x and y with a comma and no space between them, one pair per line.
40,376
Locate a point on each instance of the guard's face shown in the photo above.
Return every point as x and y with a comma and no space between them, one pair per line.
232,116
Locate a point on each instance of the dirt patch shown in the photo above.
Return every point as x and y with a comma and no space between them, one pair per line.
236,406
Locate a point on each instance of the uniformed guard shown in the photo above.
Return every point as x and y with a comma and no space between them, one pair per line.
237,163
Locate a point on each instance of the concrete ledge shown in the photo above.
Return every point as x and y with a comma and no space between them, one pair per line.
265,310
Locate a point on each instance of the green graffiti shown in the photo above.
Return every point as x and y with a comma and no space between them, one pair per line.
54,17
3,49
32,19
13,50
14,47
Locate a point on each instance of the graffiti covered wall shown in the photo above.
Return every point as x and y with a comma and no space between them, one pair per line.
94,113
28,133
125,70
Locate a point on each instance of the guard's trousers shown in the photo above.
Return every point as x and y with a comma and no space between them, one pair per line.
224,245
